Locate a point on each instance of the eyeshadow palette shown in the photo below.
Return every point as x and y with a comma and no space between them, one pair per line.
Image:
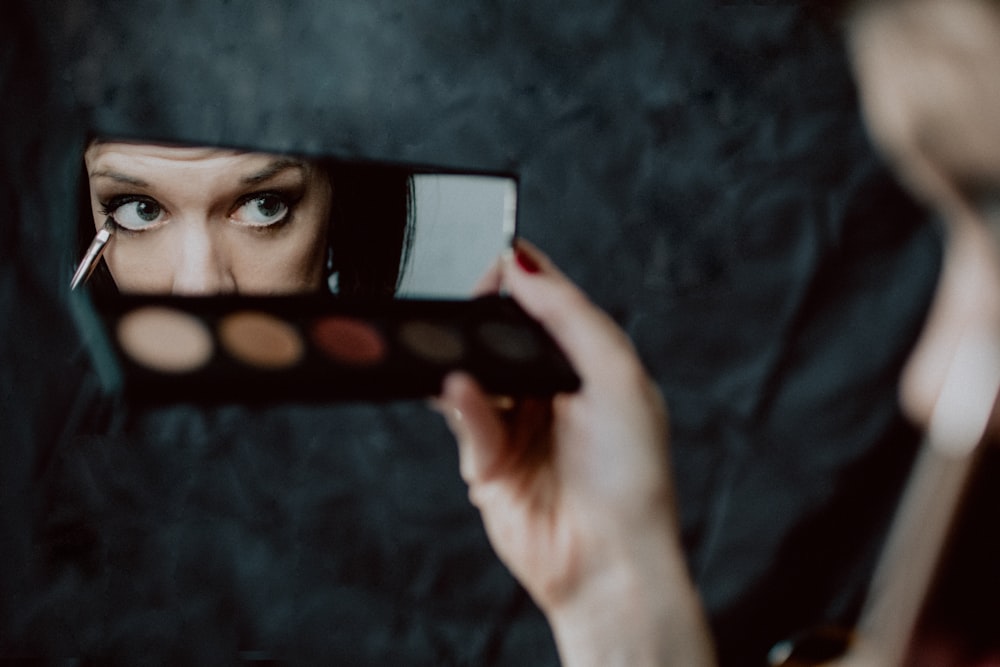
315,348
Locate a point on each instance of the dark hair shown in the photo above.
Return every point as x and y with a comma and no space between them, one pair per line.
370,228
371,224
834,13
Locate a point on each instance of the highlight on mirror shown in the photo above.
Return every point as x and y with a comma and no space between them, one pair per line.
192,220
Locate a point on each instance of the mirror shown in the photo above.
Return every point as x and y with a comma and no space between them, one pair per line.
203,220
210,274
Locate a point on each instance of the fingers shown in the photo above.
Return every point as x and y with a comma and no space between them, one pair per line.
591,340
529,424
491,281
476,425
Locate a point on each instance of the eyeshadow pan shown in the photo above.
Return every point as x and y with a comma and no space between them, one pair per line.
432,342
260,349
510,341
349,341
165,339
260,339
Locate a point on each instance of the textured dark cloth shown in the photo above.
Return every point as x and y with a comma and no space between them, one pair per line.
700,170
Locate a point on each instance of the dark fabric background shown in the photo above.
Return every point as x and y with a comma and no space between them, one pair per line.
701,171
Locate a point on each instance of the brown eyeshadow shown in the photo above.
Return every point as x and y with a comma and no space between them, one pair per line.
349,341
509,341
432,342
165,339
259,339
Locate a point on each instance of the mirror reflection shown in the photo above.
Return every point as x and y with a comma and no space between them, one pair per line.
201,220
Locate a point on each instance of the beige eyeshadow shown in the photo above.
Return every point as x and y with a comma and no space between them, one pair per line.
260,339
165,339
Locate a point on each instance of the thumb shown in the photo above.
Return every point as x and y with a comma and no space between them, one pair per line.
475,424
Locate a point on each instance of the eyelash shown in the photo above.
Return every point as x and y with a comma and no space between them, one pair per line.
112,204
289,198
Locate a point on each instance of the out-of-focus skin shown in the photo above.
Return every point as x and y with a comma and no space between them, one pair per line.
575,492
206,220
928,73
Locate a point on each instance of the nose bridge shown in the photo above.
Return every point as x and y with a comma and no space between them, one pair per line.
202,263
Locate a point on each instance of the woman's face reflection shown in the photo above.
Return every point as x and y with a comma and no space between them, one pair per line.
203,220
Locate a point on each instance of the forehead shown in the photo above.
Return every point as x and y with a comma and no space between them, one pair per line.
124,156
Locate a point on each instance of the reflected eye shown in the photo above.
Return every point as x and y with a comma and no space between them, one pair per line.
136,213
262,210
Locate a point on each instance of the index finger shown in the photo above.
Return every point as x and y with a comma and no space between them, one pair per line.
594,344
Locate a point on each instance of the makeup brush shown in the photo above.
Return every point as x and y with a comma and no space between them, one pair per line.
93,254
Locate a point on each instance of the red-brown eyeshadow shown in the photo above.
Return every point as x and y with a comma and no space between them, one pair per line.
349,341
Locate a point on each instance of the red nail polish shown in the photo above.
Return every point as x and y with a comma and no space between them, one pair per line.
526,261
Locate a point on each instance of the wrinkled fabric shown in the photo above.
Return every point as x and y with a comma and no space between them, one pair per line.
700,170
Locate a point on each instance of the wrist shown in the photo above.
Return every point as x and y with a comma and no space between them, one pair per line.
642,610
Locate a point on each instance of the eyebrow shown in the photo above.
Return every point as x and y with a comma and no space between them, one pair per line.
272,169
120,177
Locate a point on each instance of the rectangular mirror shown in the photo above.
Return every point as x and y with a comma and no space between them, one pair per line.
462,224
212,274
200,220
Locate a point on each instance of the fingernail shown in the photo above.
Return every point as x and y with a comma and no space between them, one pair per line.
526,261
456,422
452,415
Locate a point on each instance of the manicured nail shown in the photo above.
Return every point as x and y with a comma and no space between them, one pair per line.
526,261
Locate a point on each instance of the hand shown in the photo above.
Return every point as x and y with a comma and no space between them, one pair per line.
575,491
